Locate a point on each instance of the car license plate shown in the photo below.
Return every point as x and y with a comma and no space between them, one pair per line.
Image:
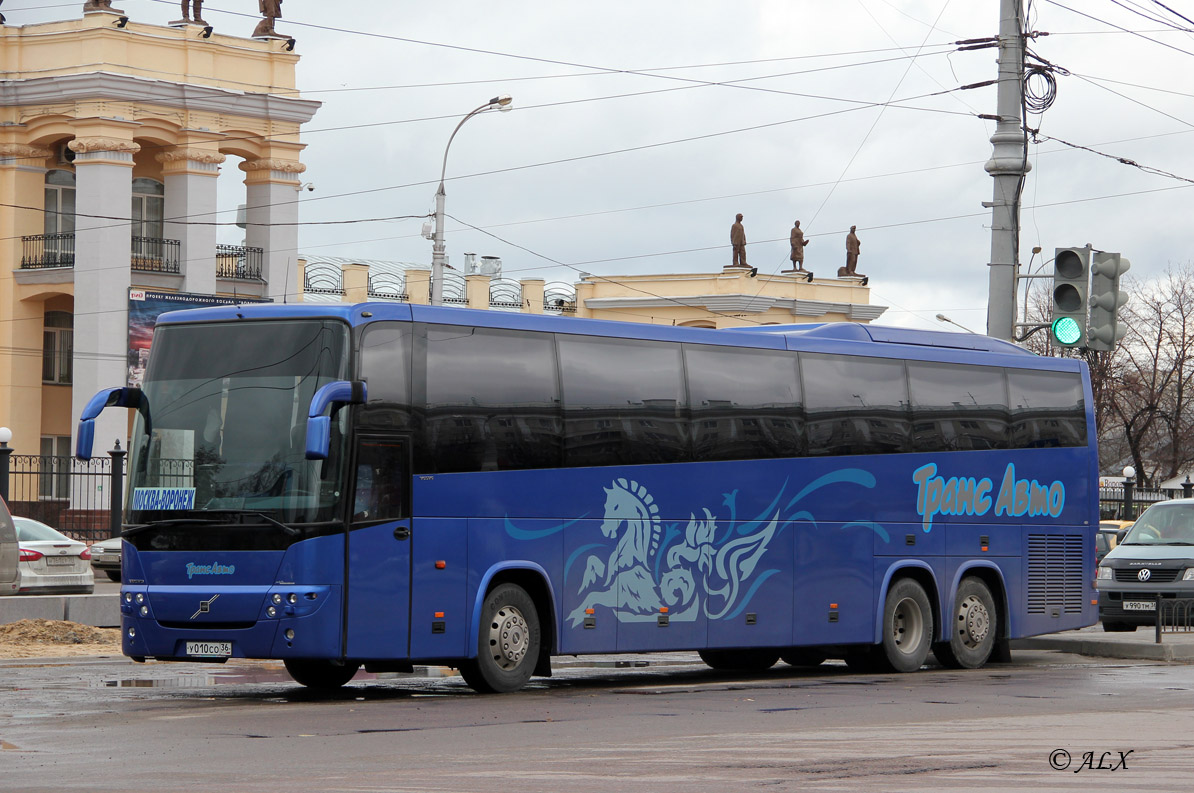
107,557
1140,605
209,649
60,561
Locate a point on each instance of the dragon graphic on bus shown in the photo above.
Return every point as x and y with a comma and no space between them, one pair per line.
708,568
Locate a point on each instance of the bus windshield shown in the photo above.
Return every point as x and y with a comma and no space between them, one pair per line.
226,426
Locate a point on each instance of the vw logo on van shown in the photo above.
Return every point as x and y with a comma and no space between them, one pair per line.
1144,574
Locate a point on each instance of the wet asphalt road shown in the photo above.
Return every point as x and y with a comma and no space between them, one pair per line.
108,724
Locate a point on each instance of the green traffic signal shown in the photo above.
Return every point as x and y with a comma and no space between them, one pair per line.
1066,330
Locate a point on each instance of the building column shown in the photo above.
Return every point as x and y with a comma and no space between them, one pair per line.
22,178
532,295
190,177
103,275
418,286
354,279
271,213
476,290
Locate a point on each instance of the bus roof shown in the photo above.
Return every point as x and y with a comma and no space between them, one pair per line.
822,337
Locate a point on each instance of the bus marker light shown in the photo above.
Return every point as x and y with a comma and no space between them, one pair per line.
441,564
439,615
832,605
663,609
289,634
590,611
984,548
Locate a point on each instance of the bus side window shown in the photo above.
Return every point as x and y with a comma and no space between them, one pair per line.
381,480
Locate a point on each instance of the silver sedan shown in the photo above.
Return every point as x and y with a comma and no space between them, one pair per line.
51,562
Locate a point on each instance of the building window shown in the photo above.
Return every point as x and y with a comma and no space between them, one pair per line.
149,207
58,348
53,480
60,202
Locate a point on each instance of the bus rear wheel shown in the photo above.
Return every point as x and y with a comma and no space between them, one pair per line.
323,675
907,627
739,660
507,642
973,629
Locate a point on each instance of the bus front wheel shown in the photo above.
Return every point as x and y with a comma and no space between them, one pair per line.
507,642
325,675
907,627
974,625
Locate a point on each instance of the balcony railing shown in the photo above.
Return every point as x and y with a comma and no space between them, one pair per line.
42,251
154,255
239,262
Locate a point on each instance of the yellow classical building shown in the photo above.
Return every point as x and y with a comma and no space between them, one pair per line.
113,135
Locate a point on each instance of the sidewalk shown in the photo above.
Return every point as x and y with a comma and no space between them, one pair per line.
1094,641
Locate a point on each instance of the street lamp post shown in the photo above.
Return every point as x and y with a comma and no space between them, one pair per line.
502,103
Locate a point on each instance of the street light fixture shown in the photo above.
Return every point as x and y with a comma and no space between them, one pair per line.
943,318
502,103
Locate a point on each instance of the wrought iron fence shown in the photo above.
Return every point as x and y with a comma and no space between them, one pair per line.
240,262
70,495
41,251
150,254
1174,615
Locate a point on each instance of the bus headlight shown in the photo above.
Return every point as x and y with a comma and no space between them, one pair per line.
1106,575
271,611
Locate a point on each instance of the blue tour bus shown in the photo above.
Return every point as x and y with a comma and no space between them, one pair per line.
386,484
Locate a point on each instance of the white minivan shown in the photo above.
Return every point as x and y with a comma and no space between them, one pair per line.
10,553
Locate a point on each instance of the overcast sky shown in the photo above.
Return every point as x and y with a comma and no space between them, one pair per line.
621,173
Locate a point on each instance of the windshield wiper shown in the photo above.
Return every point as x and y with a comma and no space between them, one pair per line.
251,513
293,532
132,530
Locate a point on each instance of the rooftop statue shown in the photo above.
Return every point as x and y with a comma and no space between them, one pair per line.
271,10
738,242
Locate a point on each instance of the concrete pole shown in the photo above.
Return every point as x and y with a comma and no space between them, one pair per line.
1007,166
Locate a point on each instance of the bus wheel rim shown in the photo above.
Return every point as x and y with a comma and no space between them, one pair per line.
974,621
509,637
907,626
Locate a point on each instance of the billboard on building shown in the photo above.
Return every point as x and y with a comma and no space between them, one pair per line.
145,306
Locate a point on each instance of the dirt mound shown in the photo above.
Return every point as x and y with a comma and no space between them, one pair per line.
31,638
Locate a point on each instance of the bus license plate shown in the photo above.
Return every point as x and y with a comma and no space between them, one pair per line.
1139,605
209,649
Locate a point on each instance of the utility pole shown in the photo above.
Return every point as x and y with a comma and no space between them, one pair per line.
1008,166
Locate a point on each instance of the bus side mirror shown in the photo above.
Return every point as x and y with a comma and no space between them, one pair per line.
109,397
319,426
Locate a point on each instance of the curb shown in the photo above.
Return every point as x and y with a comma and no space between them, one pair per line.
98,611
1148,650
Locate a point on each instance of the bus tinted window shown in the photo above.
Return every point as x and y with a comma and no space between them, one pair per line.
624,402
1047,409
745,403
957,408
855,405
492,400
385,367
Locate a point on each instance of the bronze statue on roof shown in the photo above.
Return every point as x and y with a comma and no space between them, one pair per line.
271,10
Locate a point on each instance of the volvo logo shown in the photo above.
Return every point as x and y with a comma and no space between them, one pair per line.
1143,575
205,605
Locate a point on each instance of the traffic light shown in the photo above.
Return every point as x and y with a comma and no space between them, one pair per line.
1106,300
1071,284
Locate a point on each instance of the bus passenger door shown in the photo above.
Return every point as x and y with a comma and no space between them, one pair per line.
378,576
